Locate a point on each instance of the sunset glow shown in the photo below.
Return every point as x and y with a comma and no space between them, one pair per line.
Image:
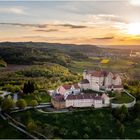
134,28
135,2
92,22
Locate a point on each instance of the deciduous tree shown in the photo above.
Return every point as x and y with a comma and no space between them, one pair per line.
21,103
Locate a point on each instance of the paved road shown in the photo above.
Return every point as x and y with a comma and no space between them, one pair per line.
5,93
16,109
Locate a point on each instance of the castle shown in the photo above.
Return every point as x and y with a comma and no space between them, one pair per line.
101,80
73,95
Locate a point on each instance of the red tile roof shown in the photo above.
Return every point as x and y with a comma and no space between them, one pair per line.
76,86
118,86
98,73
114,77
84,81
58,97
83,96
66,87
115,86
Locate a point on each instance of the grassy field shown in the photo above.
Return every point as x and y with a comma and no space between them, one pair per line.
79,66
122,98
117,65
89,123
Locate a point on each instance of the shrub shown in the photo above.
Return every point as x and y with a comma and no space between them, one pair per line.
63,131
87,129
138,131
7,104
34,103
121,131
85,136
31,125
21,103
98,129
84,122
75,133
136,122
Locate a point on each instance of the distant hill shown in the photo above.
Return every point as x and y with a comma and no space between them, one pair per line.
126,47
2,63
39,53
63,54
64,47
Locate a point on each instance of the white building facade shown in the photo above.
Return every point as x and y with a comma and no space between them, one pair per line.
69,89
101,80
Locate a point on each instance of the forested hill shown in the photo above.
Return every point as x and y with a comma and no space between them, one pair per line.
43,45
39,53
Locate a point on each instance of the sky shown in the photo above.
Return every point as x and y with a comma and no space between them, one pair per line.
100,22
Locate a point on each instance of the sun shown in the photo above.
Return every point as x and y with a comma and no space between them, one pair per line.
135,2
134,28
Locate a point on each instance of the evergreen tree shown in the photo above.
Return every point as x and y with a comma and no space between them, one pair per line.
25,88
29,87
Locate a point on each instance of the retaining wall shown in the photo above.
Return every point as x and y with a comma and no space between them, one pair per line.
128,105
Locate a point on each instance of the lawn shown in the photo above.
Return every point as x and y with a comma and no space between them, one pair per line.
122,98
94,123
41,97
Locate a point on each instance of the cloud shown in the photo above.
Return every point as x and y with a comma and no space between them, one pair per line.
71,26
44,25
25,25
13,10
104,38
101,18
49,30
135,2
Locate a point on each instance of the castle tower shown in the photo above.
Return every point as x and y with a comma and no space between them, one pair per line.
84,74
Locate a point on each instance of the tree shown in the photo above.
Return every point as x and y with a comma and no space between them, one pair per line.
84,122
34,103
122,117
7,104
124,110
101,115
1,99
74,133
98,129
121,113
48,130
137,107
25,88
121,131
136,122
29,87
21,103
85,136
31,125
63,131
87,129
